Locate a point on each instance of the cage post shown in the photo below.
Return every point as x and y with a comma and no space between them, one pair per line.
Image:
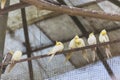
3,27
28,48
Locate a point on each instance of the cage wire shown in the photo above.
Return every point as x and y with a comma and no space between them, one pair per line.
89,72
57,70
95,71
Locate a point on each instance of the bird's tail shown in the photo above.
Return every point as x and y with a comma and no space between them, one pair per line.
3,68
93,54
84,53
51,57
68,56
10,67
107,51
3,3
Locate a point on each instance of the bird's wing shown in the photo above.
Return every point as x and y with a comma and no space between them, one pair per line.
54,50
92,40
51,57
16,56
107,38
72,44
9,67
3,3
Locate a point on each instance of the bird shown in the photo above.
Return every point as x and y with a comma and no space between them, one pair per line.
7,58
57,48
76,42
91,41
16,57
3,2
103,37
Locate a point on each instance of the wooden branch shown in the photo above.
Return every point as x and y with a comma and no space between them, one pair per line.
73,10
13,7
67,51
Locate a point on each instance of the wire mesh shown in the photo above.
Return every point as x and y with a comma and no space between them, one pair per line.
95,71
91,72
115,66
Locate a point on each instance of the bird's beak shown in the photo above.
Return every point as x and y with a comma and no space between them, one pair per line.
76,37
91,34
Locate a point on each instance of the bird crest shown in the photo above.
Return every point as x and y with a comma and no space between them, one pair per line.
11,52
103,32
76,37
91,34
77,41
58,43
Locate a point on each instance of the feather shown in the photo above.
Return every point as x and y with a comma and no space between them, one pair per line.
84,53
103,37
10,67
93,53
16,57
68,56
57,48
107,51
53,54
3,3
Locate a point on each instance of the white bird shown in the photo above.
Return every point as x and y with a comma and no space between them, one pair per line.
57,48
91,41
103,37
76,42
3,3
16,57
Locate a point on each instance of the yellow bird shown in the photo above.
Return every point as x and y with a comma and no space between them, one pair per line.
16,57
76,42
103,37
3,2
91,41
57,48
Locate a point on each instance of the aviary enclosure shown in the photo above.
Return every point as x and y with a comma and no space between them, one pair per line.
35,26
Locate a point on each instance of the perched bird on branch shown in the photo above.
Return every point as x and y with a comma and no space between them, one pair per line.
57,48
91,41
16,57
103,37
76,42
6,60
3,2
